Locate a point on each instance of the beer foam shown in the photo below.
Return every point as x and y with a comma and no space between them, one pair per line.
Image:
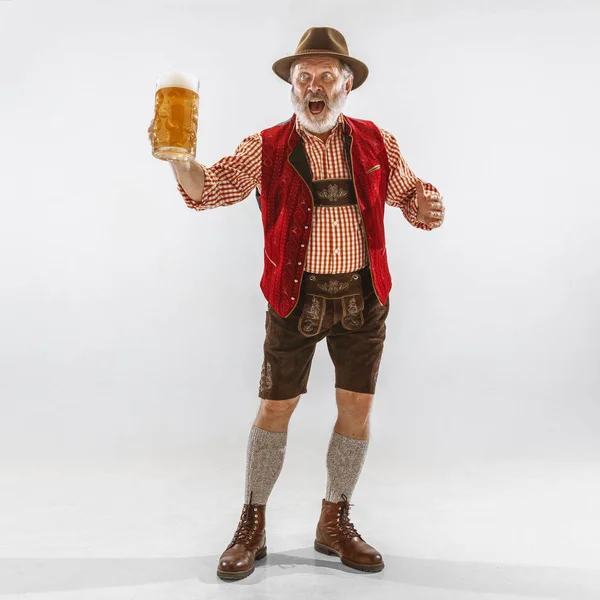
177,79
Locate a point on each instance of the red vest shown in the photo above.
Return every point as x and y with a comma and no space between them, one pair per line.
286,198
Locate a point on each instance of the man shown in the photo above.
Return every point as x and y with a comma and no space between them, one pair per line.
322,181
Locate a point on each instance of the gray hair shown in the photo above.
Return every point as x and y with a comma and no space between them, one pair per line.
347,72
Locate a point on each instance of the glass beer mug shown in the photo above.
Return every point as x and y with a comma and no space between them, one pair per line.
175,116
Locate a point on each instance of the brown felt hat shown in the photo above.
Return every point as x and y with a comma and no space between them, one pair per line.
323,41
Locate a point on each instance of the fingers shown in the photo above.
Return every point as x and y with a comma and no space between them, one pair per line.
151,130
433,199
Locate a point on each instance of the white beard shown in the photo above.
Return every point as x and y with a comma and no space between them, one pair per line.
328,117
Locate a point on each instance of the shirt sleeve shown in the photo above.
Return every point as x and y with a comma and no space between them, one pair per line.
230,179
402,191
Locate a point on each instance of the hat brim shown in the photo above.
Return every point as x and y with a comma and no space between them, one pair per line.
281,68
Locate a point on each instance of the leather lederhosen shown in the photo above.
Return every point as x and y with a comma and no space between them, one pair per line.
318,288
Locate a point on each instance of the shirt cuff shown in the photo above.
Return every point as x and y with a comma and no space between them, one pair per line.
210,181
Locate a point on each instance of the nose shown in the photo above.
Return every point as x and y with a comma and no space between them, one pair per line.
314,85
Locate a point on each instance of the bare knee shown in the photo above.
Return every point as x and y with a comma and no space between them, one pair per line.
353,404
354,410
274,415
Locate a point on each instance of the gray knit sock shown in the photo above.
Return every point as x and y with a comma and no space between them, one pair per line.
345,458
264,460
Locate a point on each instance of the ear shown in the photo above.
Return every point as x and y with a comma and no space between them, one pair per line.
349,84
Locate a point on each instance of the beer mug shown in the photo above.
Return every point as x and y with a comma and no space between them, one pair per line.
175,116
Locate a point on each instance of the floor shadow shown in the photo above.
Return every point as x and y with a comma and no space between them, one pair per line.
38,575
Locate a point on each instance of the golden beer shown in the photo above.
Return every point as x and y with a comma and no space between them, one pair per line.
175,116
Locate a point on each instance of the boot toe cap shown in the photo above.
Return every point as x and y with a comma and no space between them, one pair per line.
234,564
372,556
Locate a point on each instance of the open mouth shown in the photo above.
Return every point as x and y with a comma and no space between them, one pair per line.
316,108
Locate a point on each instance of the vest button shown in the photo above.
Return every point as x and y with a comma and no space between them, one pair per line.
295,281
293,298
300,263
306,227
301,245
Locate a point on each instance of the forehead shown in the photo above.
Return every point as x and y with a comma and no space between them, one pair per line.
318,62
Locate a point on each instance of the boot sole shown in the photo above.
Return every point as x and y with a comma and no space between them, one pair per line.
235,575
323,549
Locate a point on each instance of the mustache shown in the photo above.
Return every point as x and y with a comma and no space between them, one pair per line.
316,97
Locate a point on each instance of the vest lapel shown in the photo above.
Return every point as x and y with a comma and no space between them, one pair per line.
299,161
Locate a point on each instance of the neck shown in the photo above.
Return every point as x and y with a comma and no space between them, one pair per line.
323,136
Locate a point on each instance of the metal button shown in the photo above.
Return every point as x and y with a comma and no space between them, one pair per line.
295,281
312,278
354,276
306,227
335,222
293,298
299,263
309,208
301,245
336,251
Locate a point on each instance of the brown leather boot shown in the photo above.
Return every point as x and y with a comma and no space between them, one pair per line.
337,535
248,544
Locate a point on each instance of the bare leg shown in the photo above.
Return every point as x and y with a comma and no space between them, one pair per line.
354,410
274,415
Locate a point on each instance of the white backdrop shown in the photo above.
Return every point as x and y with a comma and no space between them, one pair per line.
131,327
131,322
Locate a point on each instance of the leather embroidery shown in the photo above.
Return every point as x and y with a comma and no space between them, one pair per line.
312,316
266,377
333,193
353,307
346,287
334,286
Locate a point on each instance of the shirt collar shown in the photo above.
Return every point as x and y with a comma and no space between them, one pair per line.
340,124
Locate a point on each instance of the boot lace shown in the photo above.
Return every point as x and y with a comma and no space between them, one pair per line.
345,525
246,526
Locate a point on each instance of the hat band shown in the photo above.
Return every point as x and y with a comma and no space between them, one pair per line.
321,52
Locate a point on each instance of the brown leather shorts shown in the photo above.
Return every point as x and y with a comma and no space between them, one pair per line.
353,321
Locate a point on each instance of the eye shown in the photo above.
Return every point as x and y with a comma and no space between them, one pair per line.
327,76
303,77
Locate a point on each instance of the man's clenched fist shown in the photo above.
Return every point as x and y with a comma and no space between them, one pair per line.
430,207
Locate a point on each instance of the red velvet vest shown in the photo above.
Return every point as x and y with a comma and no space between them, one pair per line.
286,198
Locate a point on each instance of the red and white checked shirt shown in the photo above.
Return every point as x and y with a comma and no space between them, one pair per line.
337,243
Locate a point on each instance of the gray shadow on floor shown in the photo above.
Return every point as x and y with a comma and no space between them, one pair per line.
37,575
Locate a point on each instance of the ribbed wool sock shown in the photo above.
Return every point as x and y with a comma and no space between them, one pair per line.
345,458
264,461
